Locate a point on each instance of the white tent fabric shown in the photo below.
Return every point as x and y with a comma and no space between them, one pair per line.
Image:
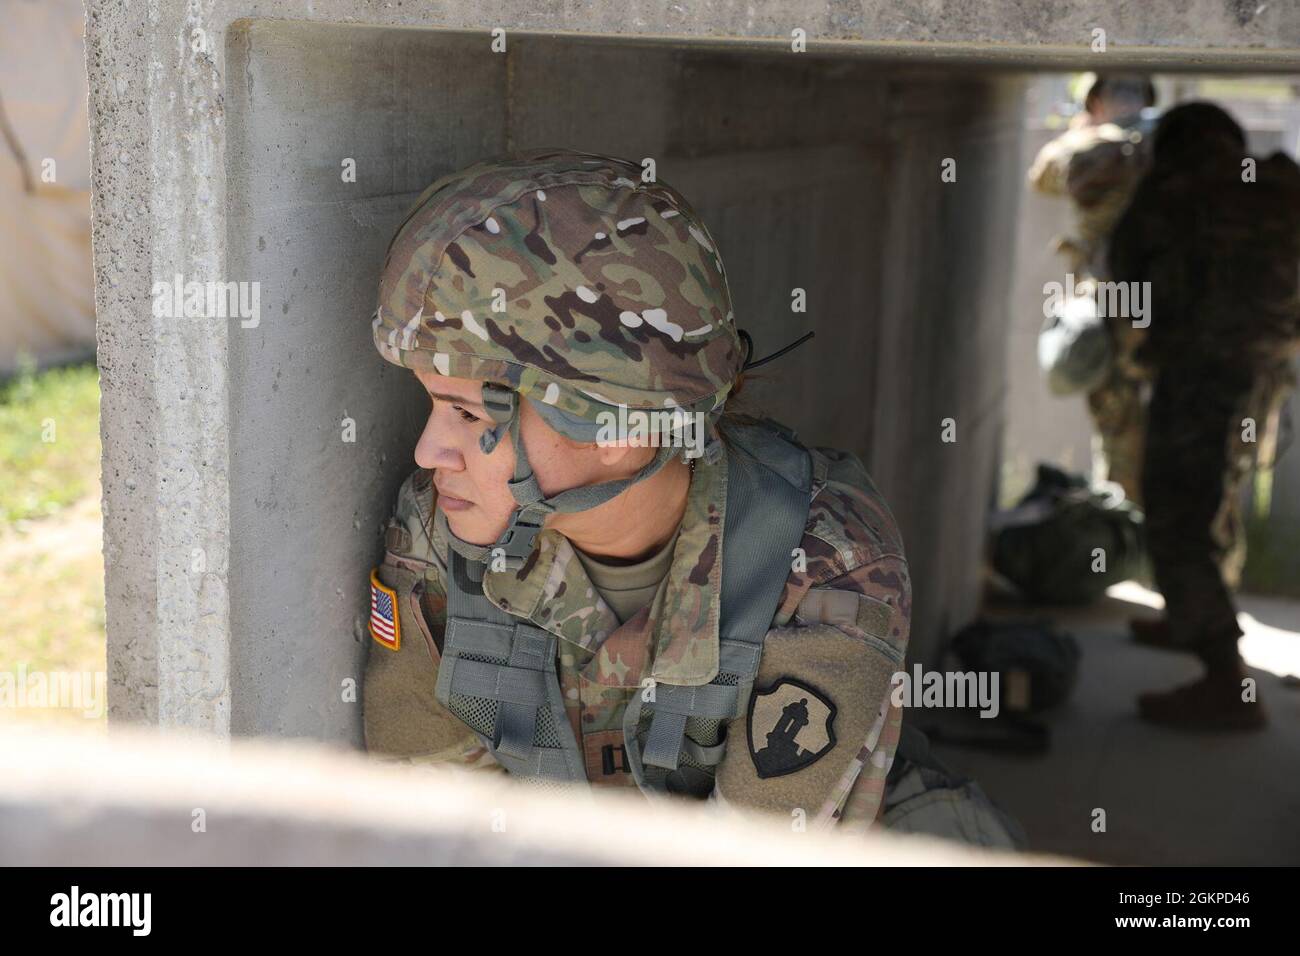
47,304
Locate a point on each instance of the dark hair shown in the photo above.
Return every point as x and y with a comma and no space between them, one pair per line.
1196,129
737,410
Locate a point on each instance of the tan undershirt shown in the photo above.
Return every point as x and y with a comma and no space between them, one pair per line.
627,588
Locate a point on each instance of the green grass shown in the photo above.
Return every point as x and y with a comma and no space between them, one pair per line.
51,564
49,440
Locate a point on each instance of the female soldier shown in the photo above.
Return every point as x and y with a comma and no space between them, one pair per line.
593,575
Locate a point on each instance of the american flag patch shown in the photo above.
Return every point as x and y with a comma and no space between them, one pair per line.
385,627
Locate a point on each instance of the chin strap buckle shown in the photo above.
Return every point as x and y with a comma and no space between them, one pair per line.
517,541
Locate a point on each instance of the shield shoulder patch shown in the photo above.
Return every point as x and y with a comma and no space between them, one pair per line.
790,727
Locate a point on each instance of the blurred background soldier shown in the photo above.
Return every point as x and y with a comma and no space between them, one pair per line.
1096,164
1217,236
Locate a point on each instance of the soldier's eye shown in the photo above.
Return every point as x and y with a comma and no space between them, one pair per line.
466,417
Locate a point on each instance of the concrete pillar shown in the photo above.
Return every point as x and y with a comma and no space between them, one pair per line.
240,525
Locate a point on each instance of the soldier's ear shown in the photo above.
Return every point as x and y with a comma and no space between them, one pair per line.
618,454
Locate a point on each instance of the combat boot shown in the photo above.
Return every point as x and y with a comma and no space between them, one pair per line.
1211,703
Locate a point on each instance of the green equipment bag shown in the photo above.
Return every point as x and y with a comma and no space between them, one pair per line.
1067,541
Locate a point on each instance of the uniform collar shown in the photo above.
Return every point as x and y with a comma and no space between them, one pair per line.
553,591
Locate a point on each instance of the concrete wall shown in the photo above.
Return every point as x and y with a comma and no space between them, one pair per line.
812,173
1039,426
238,524
145,800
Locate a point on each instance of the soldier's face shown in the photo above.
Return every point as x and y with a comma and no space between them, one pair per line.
471,486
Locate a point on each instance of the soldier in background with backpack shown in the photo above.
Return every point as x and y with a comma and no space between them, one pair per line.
1217,235
1096,164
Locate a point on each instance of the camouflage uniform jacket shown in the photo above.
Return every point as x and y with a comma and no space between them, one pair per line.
1097,167
842,628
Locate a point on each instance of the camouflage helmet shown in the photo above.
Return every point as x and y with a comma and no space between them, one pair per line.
564,277
561,277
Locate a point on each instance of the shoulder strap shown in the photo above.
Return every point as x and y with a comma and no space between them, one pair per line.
498,673
769,488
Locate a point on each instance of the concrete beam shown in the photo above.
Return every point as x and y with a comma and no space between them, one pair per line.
173,800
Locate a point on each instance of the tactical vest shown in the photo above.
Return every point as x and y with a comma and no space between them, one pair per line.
498,672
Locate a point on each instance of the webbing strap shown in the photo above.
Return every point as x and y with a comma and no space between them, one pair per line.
769,489
516,542
465,597
672,706
768,494
663,742
716,701
528,493
705,756
517,719
478,679
515,729
549,764
521,687
767,511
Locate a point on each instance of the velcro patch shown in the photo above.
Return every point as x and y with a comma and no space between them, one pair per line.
828,606
385,623
816,696
791,726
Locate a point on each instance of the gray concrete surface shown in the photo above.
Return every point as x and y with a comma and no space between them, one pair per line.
1039,426
812,172
791,201
238,525
1170,798
159,800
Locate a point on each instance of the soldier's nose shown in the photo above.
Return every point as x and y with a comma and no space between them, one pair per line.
432,450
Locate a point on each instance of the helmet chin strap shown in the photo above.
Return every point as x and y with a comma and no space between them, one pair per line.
516,543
